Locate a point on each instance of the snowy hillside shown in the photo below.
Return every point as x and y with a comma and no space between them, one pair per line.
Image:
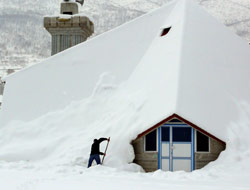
21,46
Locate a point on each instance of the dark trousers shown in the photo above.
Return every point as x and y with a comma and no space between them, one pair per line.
95,157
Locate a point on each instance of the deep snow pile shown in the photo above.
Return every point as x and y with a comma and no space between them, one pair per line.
51,152
64,137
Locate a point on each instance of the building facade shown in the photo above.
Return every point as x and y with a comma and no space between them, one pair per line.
176,144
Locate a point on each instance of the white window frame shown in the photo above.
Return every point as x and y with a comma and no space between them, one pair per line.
144,140
209,144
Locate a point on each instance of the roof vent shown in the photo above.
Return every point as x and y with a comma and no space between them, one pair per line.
165,31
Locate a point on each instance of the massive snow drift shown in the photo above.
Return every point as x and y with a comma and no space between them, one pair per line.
51,151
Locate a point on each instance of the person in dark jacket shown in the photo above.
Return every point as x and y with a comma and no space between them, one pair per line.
95,151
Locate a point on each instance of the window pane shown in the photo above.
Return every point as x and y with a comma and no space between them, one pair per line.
165,133
151,141
181,134
202,142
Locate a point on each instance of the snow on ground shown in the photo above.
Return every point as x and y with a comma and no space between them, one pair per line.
107,178
51,152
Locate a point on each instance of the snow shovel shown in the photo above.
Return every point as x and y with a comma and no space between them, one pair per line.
105,150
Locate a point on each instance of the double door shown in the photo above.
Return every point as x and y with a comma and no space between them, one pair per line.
176,148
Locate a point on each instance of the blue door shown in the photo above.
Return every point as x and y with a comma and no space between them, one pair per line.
176,147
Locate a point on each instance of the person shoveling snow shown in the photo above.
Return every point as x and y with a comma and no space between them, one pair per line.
95,151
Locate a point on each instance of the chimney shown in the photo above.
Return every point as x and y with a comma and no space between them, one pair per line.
69,28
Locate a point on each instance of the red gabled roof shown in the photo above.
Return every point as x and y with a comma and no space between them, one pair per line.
185,121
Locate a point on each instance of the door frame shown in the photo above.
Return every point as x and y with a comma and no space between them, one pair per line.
171,144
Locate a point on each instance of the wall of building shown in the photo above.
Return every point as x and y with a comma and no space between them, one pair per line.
63,42
148,160
202,159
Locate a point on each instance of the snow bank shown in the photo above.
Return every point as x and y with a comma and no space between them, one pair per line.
65,137
238,144
57,147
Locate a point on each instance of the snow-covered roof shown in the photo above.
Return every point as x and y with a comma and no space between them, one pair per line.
199,70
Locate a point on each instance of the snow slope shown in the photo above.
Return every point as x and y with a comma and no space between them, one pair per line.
20,46
178,73
72,75
52,152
